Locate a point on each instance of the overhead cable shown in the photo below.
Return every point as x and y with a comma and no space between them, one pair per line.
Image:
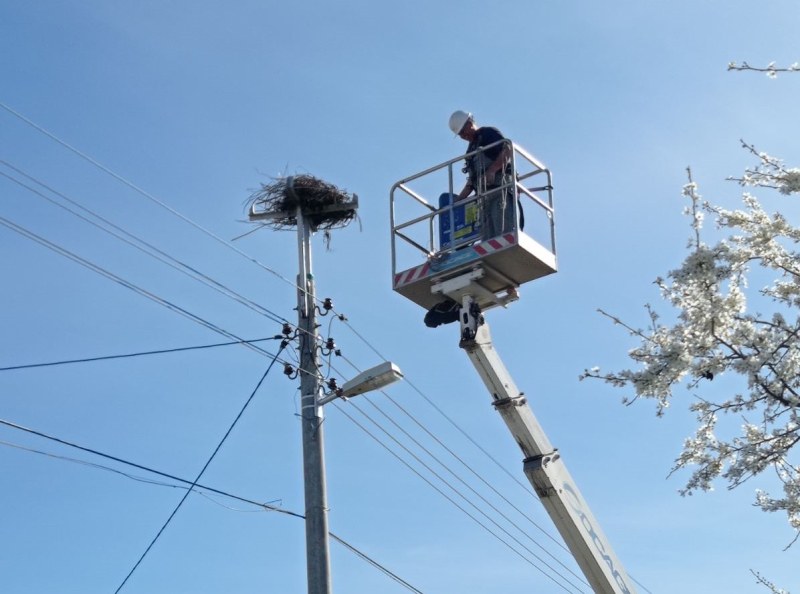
137,242
447,417
139,354
146,247
197,486
460,507
459,478
135,288
469,467
145,194
202,471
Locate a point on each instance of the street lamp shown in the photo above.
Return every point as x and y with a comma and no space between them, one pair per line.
375,378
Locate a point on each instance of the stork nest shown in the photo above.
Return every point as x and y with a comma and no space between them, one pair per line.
281,198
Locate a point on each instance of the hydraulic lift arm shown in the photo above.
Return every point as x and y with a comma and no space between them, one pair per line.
542,463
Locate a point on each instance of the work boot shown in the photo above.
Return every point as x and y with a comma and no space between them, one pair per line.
445,312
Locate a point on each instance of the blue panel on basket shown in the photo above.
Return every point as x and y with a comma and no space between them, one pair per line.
449,260
466,222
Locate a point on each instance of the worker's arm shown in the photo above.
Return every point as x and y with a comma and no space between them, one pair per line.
466,191
499,163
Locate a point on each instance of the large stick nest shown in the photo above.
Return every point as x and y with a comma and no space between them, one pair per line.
281,197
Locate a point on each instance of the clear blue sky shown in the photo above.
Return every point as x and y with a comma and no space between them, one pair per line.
198,102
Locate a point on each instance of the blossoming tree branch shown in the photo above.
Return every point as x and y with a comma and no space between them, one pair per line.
718,330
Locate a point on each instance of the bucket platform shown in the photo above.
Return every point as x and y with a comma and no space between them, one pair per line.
442,250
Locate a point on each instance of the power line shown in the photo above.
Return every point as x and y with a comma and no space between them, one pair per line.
150,197
443,414
135,288
137,242
482,498
200,474
145,194
469,502
123,180
460,460
196,488
462,481
463,463
139,354
478,446
123,461
372,562
119,280
146,247
90,464
453,502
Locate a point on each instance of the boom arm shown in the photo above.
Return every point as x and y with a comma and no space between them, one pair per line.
542,463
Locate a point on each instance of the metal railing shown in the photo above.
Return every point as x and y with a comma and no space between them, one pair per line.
525,180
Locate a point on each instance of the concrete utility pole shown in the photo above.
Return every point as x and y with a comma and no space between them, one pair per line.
317,548
309,204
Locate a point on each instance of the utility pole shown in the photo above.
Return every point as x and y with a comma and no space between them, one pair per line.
309,204
317,547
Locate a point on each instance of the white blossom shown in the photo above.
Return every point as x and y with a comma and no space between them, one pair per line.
717,332
790,182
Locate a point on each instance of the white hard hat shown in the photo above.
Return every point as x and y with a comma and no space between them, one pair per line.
458,119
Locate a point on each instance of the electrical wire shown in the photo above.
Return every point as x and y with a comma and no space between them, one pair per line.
143,292
442,413
139,354
459,478
145,247
408,381
196,488
454,502
146,194
137,242
135,288
475,506
151,197
472,489
458,458
384,430
90,464
202,471
394,576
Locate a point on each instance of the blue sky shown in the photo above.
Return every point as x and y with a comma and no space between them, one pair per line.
196,103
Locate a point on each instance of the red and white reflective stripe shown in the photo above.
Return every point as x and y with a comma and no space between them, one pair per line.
411,275
497,243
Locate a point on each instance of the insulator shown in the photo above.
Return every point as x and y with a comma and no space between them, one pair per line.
332,386
287,329
330,344
288,369
327,304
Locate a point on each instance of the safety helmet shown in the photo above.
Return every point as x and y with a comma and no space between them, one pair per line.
458,119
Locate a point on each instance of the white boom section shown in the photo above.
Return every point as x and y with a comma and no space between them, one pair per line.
542,463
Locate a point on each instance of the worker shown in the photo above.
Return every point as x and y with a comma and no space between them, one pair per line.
486,173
